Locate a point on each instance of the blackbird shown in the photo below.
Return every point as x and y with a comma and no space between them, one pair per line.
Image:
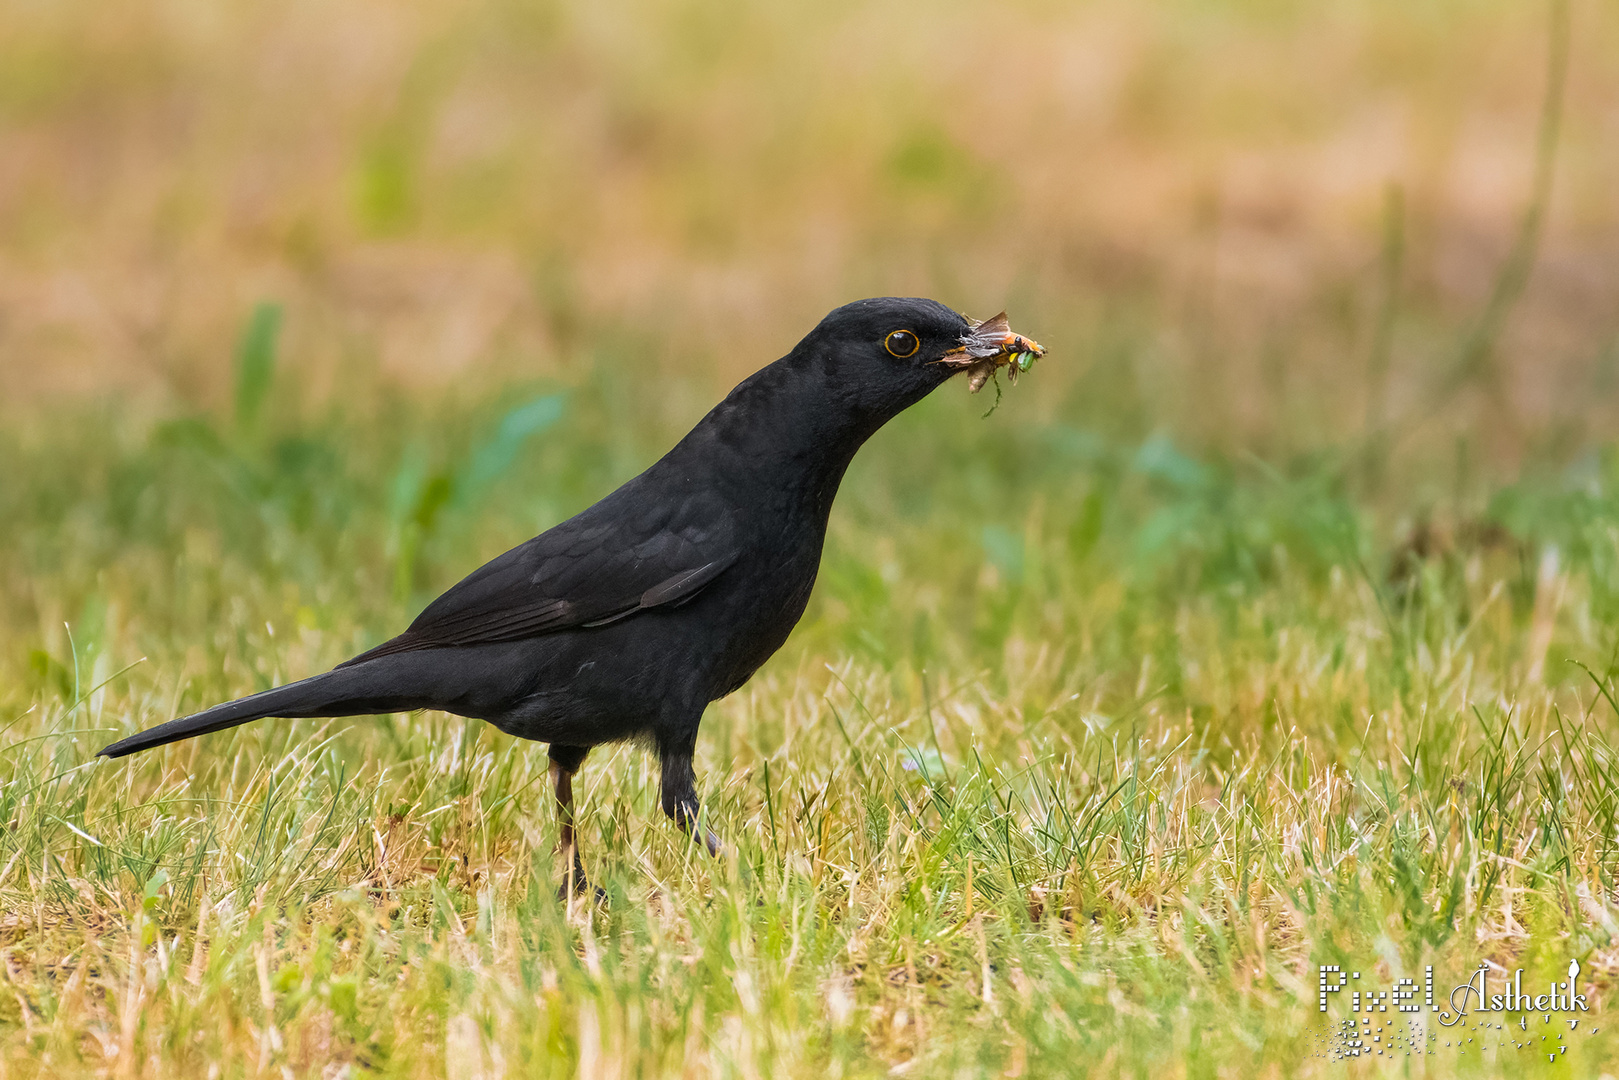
626,620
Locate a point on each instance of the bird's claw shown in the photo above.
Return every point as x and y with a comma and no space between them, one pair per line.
576,884
581,888
696,830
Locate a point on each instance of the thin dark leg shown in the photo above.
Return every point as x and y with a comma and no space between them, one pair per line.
680,798
565,761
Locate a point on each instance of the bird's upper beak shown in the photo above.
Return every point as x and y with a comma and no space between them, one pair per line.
989,345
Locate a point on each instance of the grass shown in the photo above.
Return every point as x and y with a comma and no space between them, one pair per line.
1089,751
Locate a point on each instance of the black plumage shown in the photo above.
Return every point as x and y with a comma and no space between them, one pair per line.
628,619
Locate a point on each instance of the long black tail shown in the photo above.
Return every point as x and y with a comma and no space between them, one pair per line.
351,691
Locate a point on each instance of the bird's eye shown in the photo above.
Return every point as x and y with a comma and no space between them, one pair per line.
902,343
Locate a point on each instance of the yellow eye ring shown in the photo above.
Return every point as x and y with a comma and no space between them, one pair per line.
902,344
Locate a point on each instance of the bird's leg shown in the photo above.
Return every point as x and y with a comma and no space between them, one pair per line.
680,799
565,761
562,780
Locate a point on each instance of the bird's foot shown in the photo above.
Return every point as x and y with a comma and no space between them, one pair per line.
691,824
580,887
577,884
680,801
699,833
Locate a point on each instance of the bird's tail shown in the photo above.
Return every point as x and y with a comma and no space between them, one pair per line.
345,692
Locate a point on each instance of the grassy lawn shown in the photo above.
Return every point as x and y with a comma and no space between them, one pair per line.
1087,754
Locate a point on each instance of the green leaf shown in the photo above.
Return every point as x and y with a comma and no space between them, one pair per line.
255,362
494,457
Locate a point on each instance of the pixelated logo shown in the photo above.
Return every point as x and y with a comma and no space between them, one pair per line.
1489,1014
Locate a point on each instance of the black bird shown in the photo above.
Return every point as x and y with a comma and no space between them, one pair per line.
628,619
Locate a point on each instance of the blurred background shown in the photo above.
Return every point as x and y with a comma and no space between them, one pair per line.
385,287
1193,201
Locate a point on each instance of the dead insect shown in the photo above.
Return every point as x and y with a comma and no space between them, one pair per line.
987,347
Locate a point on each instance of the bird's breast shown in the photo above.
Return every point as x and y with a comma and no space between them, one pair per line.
760,606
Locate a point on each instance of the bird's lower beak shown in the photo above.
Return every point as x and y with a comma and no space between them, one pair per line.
990,345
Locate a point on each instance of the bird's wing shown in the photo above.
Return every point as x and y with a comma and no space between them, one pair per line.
606,564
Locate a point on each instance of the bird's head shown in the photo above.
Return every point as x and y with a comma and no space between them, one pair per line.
808,413
880,356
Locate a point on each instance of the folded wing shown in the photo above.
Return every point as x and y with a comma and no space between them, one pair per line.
604,565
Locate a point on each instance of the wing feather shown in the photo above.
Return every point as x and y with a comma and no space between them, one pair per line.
616,559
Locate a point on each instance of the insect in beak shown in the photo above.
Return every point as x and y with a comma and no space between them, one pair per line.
990,345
